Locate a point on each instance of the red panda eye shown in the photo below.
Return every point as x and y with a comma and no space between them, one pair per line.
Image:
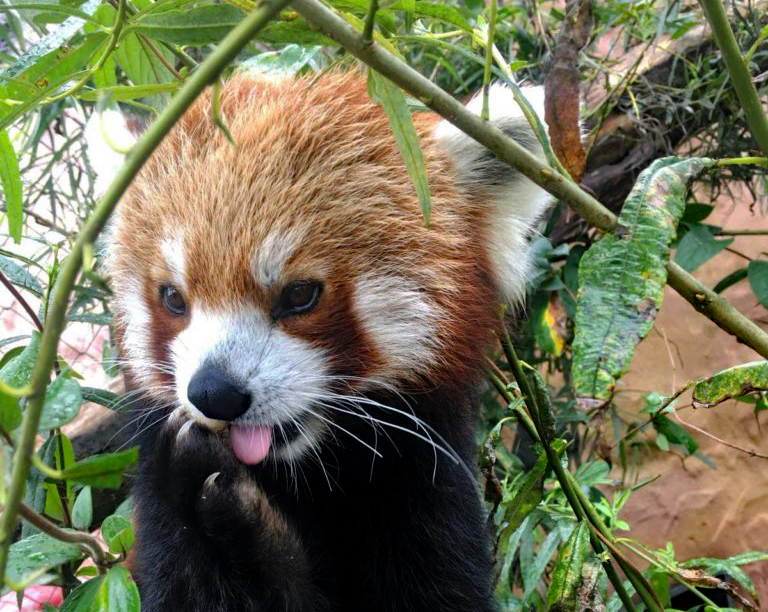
172,300
297,298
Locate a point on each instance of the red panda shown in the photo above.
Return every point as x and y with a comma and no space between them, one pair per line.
310,349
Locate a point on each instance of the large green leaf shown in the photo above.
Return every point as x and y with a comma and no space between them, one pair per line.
36,554
732,382
115,591
10,180
102,470
622,277
566,574
434,10
395,106
62,403
197,26
525,500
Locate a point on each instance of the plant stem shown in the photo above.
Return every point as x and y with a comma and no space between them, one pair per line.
370,20
374,55
485,114
208,71
737,70
85,540
744,232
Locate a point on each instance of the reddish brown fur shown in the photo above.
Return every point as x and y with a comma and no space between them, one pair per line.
319,155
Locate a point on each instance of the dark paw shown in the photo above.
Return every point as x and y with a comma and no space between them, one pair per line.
189,460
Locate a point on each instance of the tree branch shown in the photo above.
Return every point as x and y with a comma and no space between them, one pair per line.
703,299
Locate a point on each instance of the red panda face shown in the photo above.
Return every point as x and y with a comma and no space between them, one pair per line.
258,283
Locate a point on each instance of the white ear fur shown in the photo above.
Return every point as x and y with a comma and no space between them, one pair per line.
107,140
517,203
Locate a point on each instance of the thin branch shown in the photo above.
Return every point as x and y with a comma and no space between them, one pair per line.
21,300
370,20
91,545
748,451
737,71
744,232
702,298
208,71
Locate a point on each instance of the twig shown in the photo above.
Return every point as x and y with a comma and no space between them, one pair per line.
208,71
743,232
370,20
21,300
748,451
737,71
91,545
703,299
490,36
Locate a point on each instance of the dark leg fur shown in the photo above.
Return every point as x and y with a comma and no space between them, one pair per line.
406,534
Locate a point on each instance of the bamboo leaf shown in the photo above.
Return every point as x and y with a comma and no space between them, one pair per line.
202,25
120,93
11,183
622,277
395,106
735,381
526,498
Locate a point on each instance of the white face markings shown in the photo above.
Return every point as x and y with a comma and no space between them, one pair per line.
272,255
135,320
395,314
283,375
173,253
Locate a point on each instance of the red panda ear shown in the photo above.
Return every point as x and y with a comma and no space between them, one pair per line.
516,203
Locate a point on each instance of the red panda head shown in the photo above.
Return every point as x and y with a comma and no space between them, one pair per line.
255,283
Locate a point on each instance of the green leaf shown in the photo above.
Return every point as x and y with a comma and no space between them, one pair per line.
105,398
118,592
566,574
202,25
288,60
82,509
393,102
11,183
526,498
105,470
61,457
20,277
698,246
757,272
735,381
142,67
62,402
296,31
733,278
674,434
622,278
39,552
45,76
121,93
17,373
433,10
545,416
83,598
54,41
532,572
117,532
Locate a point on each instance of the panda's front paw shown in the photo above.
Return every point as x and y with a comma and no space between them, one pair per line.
187,456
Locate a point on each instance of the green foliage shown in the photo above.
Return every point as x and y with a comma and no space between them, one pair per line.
589,303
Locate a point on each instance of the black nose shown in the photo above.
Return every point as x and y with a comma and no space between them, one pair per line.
214,393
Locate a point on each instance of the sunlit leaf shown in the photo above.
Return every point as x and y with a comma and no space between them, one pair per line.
393,102
566,574
10,180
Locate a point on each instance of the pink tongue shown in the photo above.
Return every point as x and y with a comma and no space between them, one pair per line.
250,444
